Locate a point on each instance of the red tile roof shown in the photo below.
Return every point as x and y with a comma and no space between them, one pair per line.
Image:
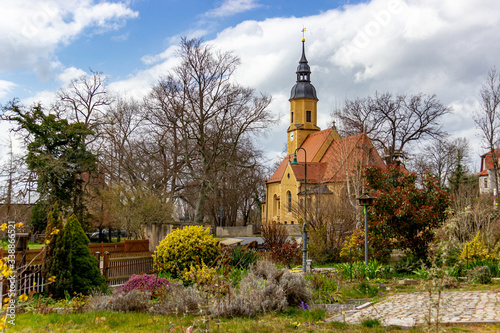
487,161
313,143
341,157
483,173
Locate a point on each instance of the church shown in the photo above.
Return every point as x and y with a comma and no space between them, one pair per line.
320,165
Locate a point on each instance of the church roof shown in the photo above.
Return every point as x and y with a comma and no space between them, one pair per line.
342,156
303,88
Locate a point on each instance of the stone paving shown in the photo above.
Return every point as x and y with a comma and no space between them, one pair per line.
409,309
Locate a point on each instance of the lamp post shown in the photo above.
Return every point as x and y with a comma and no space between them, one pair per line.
366,200
304,225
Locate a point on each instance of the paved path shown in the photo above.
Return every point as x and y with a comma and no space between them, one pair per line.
408,309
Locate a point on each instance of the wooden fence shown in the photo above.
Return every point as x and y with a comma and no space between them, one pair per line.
119,262
127,246
118,269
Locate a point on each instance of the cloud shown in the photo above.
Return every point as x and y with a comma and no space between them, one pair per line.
443,48
6,88
69,74
30,31
232,7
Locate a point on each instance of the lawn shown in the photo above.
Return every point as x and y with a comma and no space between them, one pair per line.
291,321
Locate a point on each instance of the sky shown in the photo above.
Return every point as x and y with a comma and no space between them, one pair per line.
354,48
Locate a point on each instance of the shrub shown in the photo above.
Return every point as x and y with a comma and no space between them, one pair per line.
475,249
183,248
243,258
70,261
84,266
480,274
264,289
288,254
144,282
274,234
175,298
135,300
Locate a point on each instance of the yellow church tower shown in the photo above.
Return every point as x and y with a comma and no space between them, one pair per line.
303,106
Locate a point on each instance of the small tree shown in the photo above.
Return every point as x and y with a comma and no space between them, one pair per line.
404,215
70,260
57,258
85,267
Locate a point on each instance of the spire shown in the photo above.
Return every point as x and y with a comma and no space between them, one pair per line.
303,69
303,88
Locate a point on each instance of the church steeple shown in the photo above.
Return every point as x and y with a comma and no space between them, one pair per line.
303,88
303,106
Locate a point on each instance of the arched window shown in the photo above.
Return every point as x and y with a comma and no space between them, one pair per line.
289,200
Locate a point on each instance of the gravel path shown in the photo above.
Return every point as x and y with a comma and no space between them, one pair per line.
409,309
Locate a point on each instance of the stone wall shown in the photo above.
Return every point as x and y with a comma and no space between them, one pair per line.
230,232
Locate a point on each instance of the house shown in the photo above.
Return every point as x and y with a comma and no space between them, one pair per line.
319,163
487,172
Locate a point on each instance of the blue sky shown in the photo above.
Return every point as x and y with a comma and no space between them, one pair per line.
355,48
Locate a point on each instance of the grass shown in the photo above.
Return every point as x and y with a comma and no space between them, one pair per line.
291,321
31,245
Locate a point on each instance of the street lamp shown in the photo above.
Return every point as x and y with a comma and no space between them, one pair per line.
304,228
366,200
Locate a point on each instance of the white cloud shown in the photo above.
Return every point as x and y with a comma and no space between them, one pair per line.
232,7
443,48
69,74
31,30
6,88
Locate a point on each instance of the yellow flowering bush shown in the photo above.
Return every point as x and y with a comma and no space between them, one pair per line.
183,248
352,245
475,249
200,274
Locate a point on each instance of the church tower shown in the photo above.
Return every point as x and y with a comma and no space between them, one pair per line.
303,106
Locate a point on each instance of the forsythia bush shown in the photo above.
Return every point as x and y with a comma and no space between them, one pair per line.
475,249
184,248
352,246
200,274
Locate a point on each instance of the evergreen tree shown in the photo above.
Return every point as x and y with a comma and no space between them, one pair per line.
84,266
57,258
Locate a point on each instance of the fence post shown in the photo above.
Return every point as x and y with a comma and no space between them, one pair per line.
105,268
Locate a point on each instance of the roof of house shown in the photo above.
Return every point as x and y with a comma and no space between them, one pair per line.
487,161
338,161
483,173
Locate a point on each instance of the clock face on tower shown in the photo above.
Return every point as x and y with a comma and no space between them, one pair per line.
291,136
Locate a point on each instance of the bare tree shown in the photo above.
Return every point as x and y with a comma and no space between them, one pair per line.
441,157
487,118
84,100
392,122
210,114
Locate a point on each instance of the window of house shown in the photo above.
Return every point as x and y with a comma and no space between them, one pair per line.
292,118
288,176
289,199
308,116
301,202
291,222
285,222
485,181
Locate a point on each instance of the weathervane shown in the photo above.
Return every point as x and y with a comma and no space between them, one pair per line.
303,34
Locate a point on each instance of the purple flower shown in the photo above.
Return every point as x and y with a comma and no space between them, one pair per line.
305,306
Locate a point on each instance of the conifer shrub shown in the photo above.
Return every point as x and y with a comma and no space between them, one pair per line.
57,258
84,266
144,282
75,269
184,248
